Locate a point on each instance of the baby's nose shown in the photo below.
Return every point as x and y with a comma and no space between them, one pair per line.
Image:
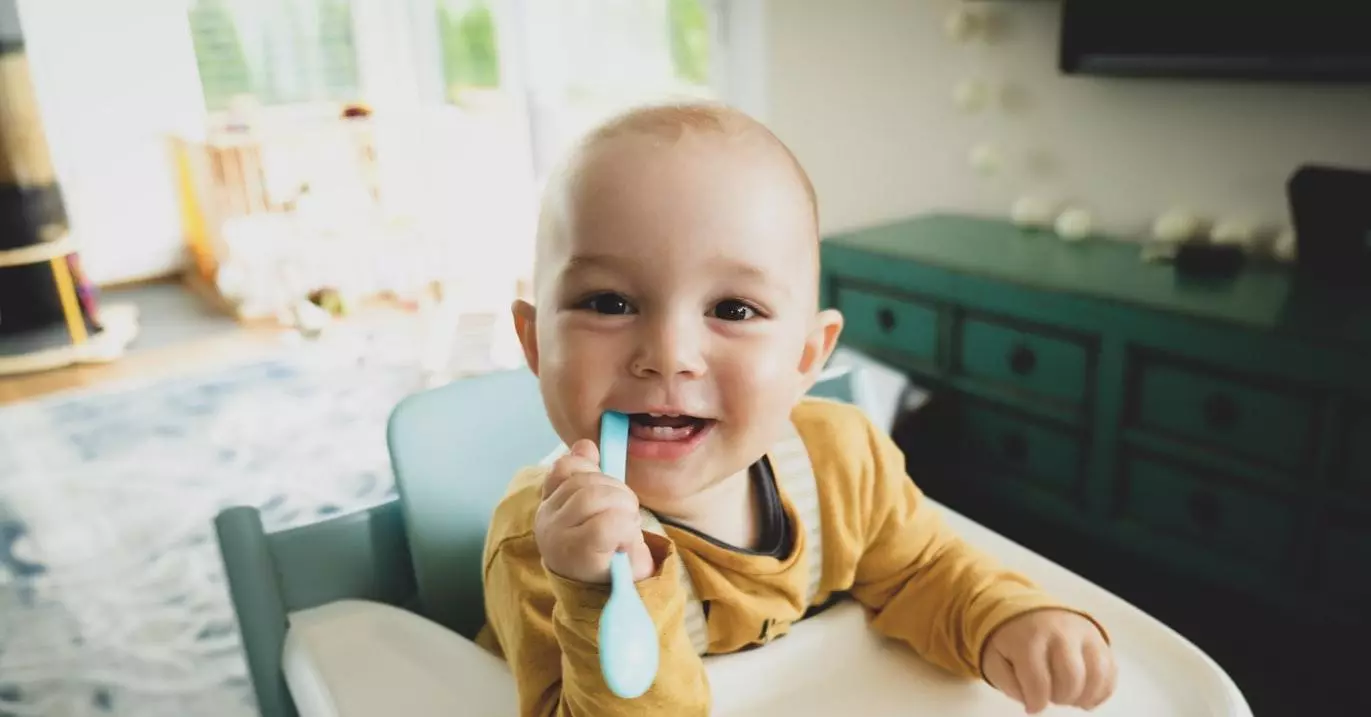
672,348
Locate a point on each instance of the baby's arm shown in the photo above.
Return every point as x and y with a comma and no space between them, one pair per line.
940,595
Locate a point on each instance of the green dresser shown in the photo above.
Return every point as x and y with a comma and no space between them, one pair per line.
1220,429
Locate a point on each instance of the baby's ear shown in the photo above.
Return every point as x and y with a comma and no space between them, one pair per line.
526,326
819,345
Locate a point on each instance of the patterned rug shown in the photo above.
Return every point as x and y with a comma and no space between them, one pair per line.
112,598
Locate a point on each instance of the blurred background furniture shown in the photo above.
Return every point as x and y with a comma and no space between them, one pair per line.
1200,446
49,314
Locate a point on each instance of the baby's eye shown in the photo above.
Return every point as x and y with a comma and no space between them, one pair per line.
733,310
607,303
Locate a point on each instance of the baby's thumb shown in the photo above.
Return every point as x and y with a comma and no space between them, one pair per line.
640,557
586,448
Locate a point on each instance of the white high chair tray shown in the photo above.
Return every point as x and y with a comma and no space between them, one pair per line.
357,658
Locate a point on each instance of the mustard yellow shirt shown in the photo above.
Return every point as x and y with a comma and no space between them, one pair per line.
883,545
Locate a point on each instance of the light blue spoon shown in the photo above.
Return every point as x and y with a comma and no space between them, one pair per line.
628,639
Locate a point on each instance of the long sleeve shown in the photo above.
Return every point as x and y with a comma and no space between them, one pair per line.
547,627
925,585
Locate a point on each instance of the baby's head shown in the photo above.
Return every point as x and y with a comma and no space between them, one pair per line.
677,273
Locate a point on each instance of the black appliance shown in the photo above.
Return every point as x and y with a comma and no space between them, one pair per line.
1331,209
1284,40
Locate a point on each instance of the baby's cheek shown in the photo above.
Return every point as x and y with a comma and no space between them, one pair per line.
758,394
770,373
575,383
745,386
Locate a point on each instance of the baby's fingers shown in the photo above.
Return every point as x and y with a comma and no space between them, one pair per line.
607,532
1000,674
583,458
1034,677
596,498
1101,675
1068,672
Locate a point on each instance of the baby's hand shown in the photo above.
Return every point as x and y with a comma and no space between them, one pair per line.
585,517
1050,656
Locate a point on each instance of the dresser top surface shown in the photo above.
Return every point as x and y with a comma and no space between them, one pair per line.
1260,297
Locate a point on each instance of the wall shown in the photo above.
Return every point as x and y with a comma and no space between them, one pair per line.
112,80
863,94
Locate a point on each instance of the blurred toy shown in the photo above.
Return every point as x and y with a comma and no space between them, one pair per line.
332,301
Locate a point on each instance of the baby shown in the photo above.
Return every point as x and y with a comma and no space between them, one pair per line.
676,280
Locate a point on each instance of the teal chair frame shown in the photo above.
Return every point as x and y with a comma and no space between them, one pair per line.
453,450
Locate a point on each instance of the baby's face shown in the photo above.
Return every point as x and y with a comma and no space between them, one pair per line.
681,291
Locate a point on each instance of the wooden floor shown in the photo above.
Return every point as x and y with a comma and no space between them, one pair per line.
236,345
180,336
182,331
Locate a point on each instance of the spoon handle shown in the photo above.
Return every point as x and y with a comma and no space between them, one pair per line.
614,445
614,463
621,573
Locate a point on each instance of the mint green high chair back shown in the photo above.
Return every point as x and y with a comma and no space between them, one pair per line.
454,450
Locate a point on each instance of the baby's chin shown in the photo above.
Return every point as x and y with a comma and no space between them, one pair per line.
659,489
664,488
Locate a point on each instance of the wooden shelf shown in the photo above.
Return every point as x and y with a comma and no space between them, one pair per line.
37,253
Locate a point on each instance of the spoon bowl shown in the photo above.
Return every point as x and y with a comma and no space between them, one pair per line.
628,638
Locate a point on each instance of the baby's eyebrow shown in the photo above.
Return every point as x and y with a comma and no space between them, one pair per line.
750,272
724,266
590,262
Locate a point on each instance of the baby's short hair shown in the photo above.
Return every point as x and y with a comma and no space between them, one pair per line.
670,121
667,122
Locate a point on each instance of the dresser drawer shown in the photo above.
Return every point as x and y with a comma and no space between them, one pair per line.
1223,519
1043,455
1024,359
1346,565
1255,421
898,324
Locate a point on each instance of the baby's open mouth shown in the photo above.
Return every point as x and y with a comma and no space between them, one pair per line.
659,427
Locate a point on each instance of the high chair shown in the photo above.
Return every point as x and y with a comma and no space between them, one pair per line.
374,612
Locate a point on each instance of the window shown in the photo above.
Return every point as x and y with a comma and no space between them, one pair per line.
276,51
586,59
469,46
629,50
689,31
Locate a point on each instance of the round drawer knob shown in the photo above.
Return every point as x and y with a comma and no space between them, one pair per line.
1220,412
1014,448
886,319
1022,360
1205,509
